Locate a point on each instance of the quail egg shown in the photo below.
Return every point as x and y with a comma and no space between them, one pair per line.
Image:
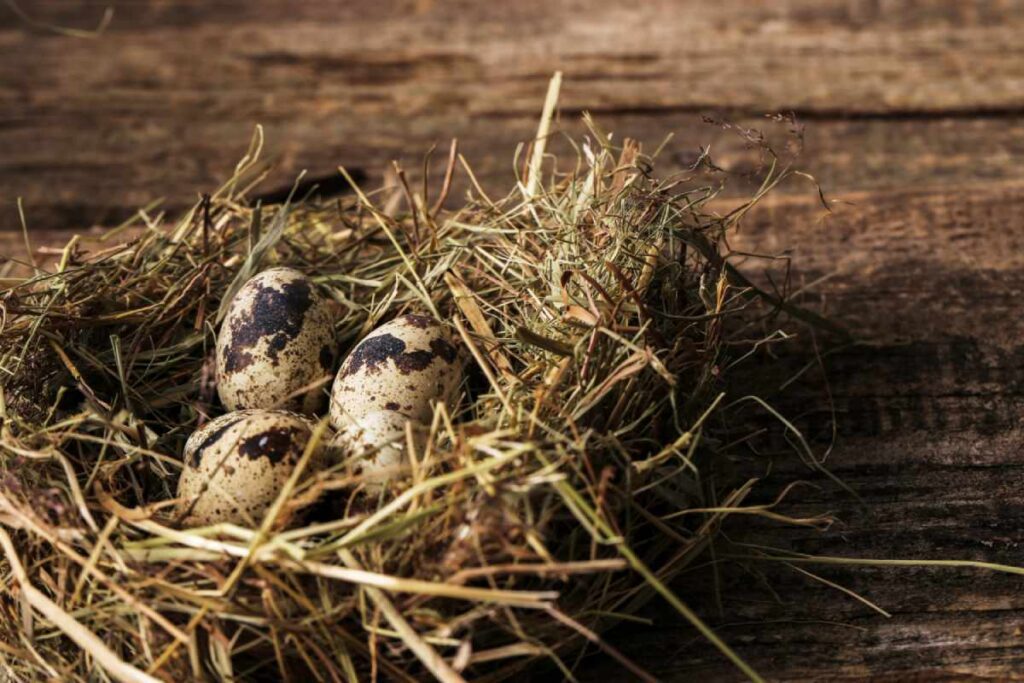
376,444
235,466
277,337
402,367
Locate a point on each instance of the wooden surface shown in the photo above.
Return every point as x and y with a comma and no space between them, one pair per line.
915,119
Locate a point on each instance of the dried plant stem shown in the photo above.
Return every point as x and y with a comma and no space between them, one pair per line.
71,627
641,568
607,648
541,141
427,655
797,558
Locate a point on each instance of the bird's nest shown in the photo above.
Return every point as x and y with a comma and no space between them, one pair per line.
591,459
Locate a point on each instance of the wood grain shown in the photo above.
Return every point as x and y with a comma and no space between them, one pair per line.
164,102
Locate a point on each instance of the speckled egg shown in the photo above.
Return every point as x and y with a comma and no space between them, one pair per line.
235,466
277,337
376,445
403,367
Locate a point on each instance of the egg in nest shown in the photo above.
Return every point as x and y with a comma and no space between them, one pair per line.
403,367
376,446
277,337
235,466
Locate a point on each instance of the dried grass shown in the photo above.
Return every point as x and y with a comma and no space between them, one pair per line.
586,466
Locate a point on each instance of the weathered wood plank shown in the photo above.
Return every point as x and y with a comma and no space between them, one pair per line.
950,493
89,184
901,15
165,101
929,429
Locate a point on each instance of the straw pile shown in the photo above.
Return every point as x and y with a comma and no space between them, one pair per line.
590,459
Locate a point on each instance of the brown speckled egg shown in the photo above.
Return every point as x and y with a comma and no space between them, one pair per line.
277,337
375,444
403,367
235,466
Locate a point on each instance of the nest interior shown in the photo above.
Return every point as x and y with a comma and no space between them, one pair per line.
593,455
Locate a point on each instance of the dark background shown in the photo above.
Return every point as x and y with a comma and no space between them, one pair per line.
914,115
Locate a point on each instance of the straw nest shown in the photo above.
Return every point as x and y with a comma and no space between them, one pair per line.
589,461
